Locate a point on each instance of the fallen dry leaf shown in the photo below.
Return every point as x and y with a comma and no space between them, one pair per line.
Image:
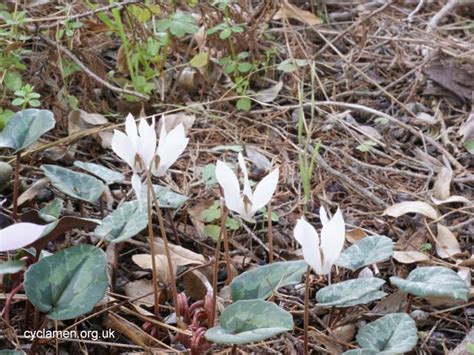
452,199
175,119
270,94
399,209
442,185
79,120
290,11
32,191
456,79
139,288
162,269
410,257
257,158
354,235
180,255
447,245
465,274
393,303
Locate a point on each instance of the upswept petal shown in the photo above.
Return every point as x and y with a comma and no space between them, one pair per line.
147,142
333,236
170,147
137,185
19,235
247,189
230,185
265,190
123,147
323,216
131,130
308,238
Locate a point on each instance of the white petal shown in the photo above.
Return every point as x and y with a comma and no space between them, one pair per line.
230,185
265,190
147,142
333,236
247,189
123,147
19,235
308,238
170,148
137,185
323,216
131,130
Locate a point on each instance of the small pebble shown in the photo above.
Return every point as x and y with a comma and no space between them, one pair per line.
5,173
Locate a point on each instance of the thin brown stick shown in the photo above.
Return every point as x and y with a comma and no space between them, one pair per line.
270,233
306,310
16,185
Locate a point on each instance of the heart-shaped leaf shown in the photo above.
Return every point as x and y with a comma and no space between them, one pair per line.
124,223
262,281
52,210
77,185
166,197
394,333
69,283
25,127
249,321
109,176
367,251
361,352
433,281
351,292
11,267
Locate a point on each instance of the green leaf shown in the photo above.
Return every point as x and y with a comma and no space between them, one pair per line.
470,348
469,145
166,197
208,174
290,65
69,283
263,280
124,223
13,81
232,223
11,267
243,104
5,116
109,176
361,352
244,67
250,321
52,210
351,292
225,33
433,281
199,60
212,213
77,185
366,146
11,352
367,251
395,333
25,127
212,231
179,24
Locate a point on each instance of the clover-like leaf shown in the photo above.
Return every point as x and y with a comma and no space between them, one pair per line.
262,281
366,251
107,175
124,223
351,292
71,183
248,321
69,283
433,281
179,24
394,333
25,127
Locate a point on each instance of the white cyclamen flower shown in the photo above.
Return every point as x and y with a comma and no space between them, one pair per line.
136,147
321,254
170,147
247,202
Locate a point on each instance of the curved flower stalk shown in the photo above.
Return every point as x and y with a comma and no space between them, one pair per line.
321,253
138,148
20,235
247,203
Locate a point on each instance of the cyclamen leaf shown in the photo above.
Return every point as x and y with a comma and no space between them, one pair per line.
394,333
262,281
11,267
77,185
433,281
351,292
366,251
69,283
25,128
124,223
107,175
250,321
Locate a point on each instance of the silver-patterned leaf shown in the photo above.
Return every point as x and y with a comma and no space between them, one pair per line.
433,281
248,321
25,127
124,223
166,197
394,333
262,281
361,352
68,283
367,251
71,183
351,292
52,210
109,176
